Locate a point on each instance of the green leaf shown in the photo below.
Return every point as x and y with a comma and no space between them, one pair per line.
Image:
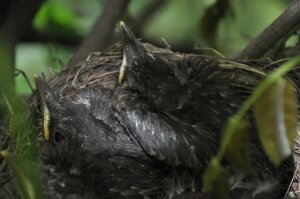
215,180
237,151
55,18
29,186
276,117
269,81
20,132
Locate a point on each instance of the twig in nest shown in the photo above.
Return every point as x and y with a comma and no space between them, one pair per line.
6,180
288,189
212,50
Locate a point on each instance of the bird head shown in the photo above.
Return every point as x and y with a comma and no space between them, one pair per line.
71,119
139,60
134,53
52,108
155,73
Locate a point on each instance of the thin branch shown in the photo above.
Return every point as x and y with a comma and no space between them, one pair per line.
18,71
272,34
102,31
145,15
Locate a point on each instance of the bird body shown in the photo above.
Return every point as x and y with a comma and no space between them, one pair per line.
87,118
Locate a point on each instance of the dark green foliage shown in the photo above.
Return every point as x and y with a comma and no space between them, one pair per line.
212,17
21,138
235,121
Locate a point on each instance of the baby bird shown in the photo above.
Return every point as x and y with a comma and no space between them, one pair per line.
86,117
191,97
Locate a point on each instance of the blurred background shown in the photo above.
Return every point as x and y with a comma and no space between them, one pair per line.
59,26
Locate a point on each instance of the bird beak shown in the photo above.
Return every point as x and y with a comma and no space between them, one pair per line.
41,87
130,47
122,69
127,35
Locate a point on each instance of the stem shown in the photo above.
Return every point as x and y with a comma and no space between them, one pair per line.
102,31
272,34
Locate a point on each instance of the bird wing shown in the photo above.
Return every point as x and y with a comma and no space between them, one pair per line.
168,140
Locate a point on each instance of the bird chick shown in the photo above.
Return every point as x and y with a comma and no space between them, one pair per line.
86,117
190,96
187,84
155,76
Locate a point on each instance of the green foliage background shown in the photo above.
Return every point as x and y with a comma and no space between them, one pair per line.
177,21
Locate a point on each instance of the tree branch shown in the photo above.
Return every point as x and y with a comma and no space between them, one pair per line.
272,34
15,21
288,52
143,17
102,31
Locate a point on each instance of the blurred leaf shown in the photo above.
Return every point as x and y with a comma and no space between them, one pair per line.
212,17
237,151
20,129
185,30
28,190
276,117
269,81
215,180
55,18
6,70
37,58
41,19
52,12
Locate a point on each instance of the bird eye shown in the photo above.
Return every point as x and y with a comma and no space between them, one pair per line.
58,137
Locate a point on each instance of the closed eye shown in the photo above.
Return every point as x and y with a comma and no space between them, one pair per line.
58,137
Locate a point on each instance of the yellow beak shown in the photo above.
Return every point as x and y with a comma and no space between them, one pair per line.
40,85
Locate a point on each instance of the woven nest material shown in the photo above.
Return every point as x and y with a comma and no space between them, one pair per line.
99,69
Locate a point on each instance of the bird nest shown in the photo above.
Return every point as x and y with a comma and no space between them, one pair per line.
102,70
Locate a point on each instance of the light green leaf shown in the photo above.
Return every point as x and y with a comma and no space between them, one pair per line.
28,185
249,103
276,117
237,151
215,180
